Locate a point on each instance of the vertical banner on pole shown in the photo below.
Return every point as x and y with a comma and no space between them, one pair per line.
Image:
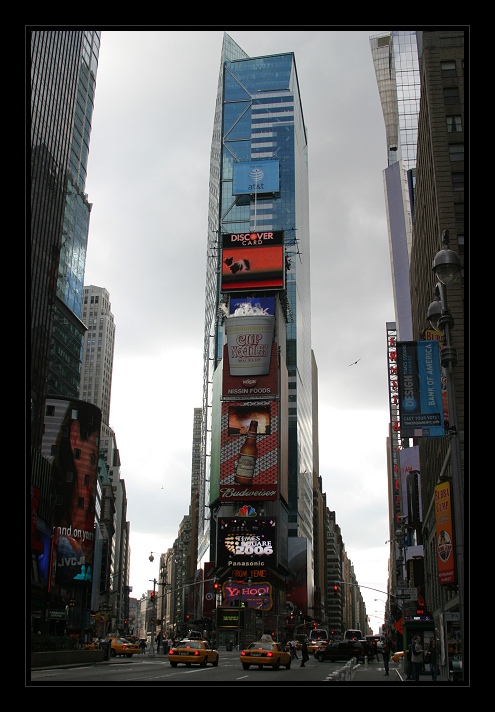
420,389
444,538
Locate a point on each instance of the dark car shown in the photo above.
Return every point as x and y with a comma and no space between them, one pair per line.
340,650
369,649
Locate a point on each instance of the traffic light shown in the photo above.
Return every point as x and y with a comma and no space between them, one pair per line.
335,589
152,596
216,585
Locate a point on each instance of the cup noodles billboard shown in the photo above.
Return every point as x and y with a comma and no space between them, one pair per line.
253,260
250,363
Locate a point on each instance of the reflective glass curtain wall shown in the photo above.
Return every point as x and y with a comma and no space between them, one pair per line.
63,73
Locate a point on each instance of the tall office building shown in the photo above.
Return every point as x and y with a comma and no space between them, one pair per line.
96,387
63,78
259,211
395,58
420,76
98,350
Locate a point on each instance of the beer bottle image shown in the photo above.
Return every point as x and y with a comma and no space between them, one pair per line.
247,456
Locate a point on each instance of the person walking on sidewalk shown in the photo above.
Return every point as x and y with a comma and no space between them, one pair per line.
409,665
431,657
386,656
417,657
142,645
304,653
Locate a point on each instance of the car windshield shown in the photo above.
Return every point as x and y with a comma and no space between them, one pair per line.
189,644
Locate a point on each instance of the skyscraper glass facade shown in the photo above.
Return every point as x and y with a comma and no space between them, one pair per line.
395,58
63,79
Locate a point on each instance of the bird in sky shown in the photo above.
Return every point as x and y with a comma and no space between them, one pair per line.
352,364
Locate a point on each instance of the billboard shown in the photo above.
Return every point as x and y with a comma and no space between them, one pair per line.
420,389
256,177
250,368
250,386
253,260
235,423
443,531
410,483
71,442
434,335
246,542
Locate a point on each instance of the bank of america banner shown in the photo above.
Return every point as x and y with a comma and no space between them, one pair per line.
420,389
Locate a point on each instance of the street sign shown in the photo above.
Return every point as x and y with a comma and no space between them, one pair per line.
411,593
402,584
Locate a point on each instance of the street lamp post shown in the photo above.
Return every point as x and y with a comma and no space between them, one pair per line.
447,268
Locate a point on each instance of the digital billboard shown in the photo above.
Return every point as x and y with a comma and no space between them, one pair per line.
236,421
250,386
253,260
246,542
256,177
71,442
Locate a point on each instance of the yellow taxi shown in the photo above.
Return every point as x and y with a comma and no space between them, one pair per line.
122,646
265,653
193,652
91,646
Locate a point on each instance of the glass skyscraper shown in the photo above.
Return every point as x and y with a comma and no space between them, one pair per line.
63,79
259,118
395,58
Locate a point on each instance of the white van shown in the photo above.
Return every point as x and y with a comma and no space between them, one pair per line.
318,635
353,634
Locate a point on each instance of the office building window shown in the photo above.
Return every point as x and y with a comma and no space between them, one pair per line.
456,151
457,181
451,95
454,124
448,68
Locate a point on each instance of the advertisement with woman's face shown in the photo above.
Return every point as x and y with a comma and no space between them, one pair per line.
72,431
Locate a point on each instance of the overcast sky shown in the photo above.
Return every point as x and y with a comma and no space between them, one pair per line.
148,175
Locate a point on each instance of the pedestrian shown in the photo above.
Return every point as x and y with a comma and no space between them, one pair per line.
431,657
409,667
304,653
386,655
293,650
142,645
417,657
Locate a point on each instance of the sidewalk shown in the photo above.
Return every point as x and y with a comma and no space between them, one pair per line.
375,672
